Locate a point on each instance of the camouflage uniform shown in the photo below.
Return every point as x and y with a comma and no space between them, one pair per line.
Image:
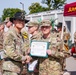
13,46
1,40
37,36
66,37
25,38
1,50
52,65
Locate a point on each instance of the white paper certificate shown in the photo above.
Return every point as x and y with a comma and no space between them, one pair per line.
31,66
39,48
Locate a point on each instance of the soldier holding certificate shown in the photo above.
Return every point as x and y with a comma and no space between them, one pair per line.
52,64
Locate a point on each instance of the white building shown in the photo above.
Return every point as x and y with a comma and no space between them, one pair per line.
69,22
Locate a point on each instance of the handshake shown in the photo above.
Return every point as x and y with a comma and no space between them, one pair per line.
26,59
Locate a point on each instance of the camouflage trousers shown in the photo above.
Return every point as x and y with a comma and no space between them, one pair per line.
1,72
9,73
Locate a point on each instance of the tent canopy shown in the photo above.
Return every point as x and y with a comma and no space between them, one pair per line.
70,9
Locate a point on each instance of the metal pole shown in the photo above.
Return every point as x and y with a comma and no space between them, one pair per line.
22,6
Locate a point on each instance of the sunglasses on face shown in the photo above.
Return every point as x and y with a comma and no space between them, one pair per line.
45,27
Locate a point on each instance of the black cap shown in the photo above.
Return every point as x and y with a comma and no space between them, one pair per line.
59,24
19,16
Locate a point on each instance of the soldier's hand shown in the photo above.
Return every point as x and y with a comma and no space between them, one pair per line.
28,58
23,59
48,52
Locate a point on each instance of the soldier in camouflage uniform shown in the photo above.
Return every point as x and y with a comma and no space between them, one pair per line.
1,45
65,37
13,46
51,65
33,29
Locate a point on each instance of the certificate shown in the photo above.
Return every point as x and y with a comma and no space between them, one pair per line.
38,48
32,66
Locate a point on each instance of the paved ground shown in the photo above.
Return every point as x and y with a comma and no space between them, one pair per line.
71,65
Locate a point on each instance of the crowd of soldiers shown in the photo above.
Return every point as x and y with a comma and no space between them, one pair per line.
15,43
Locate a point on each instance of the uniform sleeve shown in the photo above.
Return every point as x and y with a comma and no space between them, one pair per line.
62,54
10,48
59,52
26,46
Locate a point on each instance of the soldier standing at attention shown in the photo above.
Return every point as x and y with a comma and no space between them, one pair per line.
1,45
13,46
33,29
52,64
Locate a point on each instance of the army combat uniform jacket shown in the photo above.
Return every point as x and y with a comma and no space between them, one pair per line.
52,64
14,50
1,40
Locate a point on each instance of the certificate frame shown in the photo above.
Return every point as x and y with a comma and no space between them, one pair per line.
41,44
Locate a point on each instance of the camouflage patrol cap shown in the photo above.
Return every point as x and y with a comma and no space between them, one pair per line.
32,23
7,19
46,23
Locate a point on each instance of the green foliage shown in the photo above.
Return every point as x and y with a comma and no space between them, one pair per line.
57,4
9,12
39,20
54,4
53,22
36,7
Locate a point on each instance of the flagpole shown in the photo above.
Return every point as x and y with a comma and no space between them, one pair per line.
63,24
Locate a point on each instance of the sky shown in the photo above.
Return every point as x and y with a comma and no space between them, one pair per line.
16,4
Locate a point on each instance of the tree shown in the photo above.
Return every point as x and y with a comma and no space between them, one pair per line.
57,4
9,12
54,4
36,7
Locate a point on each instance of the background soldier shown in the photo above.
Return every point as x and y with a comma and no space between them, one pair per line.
8,23
1,45
13,46
33,29
65,39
